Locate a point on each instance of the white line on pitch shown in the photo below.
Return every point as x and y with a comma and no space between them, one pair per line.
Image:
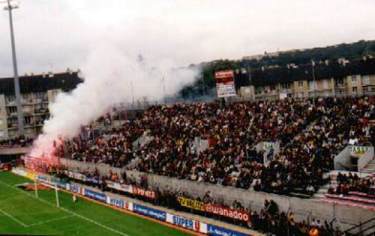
49,221
13,218
67,210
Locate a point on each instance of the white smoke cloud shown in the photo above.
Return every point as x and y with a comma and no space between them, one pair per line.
112,75
53,35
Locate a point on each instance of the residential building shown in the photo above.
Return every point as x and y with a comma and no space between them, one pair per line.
351,85
37,93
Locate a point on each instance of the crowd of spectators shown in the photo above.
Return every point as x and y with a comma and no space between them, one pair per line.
20,141
346,183
310,133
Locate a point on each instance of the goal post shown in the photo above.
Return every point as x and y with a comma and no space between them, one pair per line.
36,188
57,195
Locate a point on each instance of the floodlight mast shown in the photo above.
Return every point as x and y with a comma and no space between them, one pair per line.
9,7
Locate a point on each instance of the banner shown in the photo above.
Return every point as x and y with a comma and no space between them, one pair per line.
227,212
220,231
31,175
184,222
358,151
214,209
44,179
59,182
116,202
20,172
225,84
190,203
144,193
120,187
77,176
75,188
93,180
95,195
146,211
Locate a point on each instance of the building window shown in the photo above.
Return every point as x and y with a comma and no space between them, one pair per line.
10,98
340,82
354,79
300,83
27,120
312,85
12,110
366,80
354,89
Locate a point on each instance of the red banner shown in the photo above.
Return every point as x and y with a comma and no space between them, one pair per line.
144,193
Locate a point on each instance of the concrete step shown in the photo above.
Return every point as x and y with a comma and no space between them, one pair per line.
368,171
321,191
371,166
319,195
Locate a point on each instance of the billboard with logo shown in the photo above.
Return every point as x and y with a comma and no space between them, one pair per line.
225,83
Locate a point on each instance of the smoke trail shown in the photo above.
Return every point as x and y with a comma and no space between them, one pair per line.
111,76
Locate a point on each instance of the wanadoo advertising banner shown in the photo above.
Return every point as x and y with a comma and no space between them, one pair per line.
227,212
225,84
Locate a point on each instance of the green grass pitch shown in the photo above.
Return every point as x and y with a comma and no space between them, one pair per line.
23,214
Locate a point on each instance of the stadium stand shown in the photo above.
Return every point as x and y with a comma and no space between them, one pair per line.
218,143
310,133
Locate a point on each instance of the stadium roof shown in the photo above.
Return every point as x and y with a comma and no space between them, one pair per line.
41,83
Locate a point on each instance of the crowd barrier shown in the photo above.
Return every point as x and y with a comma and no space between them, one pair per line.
304,209
163,216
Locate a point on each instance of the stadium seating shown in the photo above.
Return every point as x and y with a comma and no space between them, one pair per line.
310,133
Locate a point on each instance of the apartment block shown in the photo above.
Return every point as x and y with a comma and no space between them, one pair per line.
352,85
37,93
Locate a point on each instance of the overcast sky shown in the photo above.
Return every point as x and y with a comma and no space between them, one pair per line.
56,34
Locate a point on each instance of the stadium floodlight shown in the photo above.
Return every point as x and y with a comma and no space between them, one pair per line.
10,6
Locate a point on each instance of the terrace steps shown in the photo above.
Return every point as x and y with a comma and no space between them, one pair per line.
370,168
